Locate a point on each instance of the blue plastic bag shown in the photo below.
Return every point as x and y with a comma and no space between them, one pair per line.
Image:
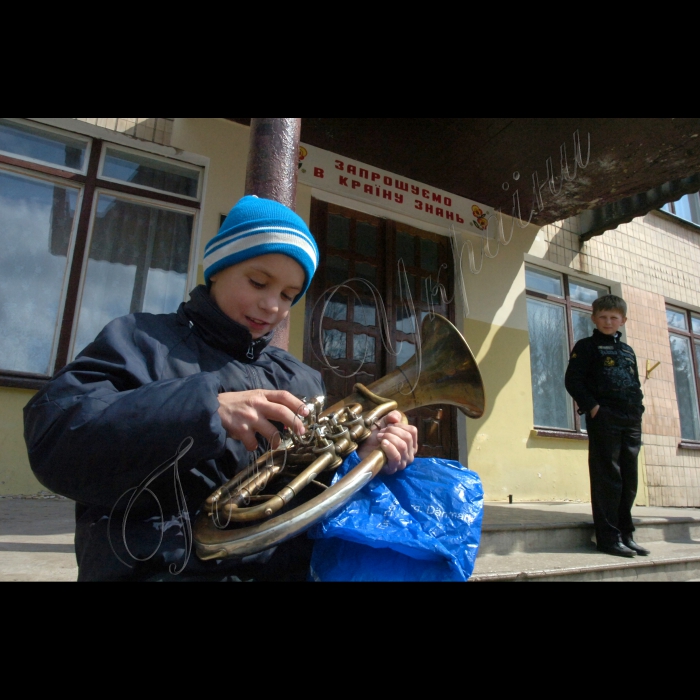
420,524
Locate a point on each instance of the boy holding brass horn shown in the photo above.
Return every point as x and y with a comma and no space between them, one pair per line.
149,382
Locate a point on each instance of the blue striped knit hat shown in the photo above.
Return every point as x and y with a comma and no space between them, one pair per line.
257,226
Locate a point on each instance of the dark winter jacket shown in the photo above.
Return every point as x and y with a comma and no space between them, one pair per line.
603,371
122,408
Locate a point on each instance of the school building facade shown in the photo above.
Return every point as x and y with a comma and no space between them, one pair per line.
102,217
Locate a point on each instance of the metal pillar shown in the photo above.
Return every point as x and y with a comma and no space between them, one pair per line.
272,170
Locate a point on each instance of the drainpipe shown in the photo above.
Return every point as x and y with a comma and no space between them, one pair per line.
272,170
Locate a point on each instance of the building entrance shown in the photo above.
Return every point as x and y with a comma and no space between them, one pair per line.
391,275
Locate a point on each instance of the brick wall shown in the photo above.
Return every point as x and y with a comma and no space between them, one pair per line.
656,258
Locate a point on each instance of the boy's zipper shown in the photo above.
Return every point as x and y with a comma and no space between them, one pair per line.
253,374
250,354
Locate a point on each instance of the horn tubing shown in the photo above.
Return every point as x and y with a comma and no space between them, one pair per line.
212,543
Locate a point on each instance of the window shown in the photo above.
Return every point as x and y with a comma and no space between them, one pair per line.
684,335
90,231
559,314
687,207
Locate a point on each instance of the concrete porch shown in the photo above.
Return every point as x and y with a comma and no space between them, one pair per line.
520,542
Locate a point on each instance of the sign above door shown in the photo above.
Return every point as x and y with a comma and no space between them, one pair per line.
349,178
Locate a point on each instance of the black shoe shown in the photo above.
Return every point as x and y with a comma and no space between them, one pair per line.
631,544
617,549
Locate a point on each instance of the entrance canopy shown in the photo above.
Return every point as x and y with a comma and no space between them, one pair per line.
634,164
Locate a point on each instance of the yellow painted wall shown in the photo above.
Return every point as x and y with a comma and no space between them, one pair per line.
502,450
502,447
16,477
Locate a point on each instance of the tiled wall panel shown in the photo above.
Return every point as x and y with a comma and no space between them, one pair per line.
154,129
655,258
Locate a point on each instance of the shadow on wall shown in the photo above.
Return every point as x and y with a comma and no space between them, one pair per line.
498,365
564,244
498,369
156,130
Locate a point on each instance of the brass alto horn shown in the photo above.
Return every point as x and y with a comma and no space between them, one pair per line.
447,374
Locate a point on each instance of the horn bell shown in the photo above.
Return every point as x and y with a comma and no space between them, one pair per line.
443,372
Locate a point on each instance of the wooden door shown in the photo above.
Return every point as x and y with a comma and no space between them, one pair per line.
368,265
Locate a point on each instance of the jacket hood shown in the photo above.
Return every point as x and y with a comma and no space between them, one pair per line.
218,330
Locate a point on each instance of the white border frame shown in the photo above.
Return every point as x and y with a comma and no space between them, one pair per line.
168,152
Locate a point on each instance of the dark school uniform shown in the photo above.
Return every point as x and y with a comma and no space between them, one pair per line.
603,371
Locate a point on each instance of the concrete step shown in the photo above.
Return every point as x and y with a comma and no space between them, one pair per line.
668,561
552,536
553,542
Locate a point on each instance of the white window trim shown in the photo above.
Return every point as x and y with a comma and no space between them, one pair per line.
682,305
167,152
98,132
46,163
615,287
191,267
158,158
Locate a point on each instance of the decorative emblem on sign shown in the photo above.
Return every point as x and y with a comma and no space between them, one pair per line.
480,221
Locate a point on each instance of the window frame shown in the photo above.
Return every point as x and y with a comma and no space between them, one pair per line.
90,185
694,203
22,379
693,338
49,130
578,433
146,191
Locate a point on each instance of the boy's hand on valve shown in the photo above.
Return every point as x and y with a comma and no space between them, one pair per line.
246,414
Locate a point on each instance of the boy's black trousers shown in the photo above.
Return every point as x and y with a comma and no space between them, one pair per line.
614,441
